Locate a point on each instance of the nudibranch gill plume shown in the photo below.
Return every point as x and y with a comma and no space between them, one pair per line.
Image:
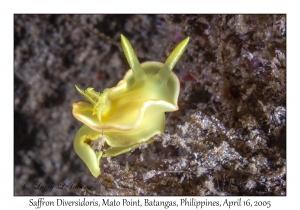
122,117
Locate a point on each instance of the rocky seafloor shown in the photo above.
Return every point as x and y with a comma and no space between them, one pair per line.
227,138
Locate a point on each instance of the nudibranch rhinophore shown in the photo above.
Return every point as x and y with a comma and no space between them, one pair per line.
122,117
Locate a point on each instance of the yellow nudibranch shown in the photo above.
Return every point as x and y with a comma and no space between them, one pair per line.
122,117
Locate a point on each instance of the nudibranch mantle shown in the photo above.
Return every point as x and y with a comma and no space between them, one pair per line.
130,113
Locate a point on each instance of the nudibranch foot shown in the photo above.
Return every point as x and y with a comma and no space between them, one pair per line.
85,151
120,150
